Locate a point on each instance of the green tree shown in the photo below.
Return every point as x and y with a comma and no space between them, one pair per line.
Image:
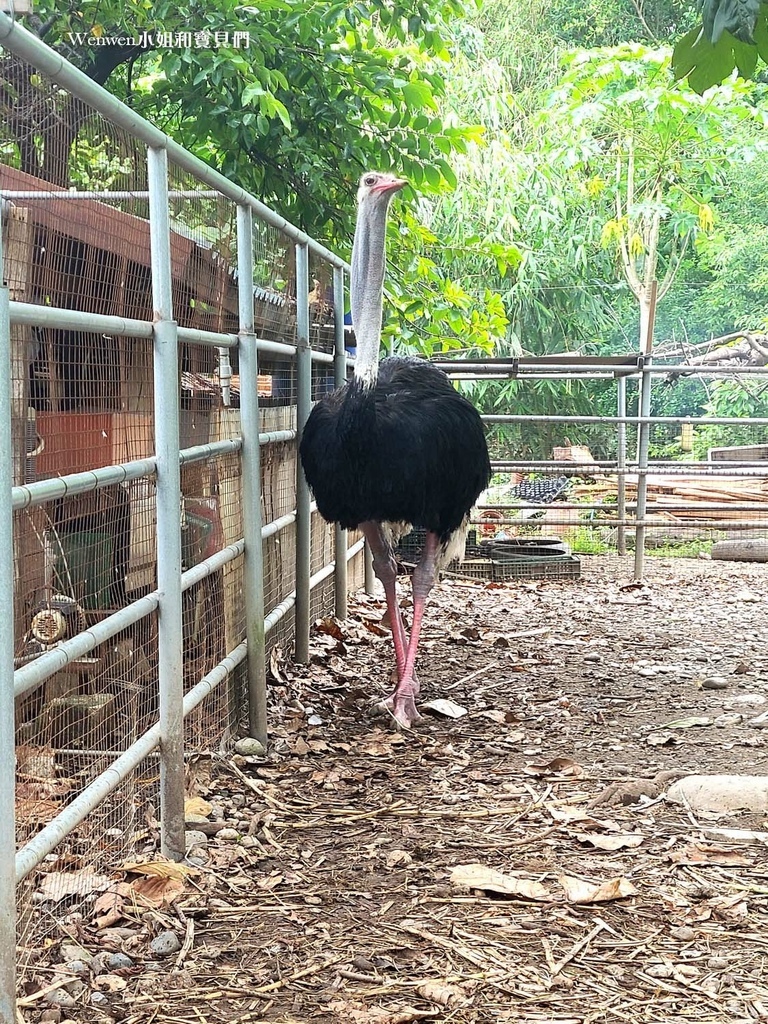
650,152
322,92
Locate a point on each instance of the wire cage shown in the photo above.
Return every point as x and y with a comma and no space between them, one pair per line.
157,505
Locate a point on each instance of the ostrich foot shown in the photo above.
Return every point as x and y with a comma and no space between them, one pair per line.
402,706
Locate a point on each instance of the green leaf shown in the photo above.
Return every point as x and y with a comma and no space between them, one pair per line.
746,57
448,173
432,175
761,33
686,53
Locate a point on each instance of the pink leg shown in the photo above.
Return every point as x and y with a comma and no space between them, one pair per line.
385,567
403,700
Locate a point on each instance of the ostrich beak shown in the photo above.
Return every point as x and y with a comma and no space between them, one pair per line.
390,184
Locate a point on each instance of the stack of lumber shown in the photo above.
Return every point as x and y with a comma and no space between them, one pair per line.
676,498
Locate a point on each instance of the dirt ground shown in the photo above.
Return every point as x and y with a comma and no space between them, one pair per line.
328,889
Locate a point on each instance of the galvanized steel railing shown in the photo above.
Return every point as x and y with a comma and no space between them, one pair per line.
164,466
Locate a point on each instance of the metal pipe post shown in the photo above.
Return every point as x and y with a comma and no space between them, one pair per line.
303,497
340,580
7,724
253,585
370,576
621,463
643,441
166,396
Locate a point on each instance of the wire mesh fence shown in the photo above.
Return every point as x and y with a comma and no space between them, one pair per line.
594,480
91,410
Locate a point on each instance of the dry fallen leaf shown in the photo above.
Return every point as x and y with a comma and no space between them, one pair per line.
331,627
442,993
557,766
608,842
398,859
36,810
157,892
157,869
109,983
58,884
196,807
448,708
690,723
579,891
478,876
108,908
270,882
572,812
695,853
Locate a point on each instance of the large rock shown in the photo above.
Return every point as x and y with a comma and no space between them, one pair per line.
721,793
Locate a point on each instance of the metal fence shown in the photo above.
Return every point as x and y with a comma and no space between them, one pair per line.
631,479
162,337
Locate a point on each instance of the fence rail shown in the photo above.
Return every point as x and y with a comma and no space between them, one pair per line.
170,327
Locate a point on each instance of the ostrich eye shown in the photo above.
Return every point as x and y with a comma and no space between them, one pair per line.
370,179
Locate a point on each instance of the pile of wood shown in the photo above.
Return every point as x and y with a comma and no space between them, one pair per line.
675,498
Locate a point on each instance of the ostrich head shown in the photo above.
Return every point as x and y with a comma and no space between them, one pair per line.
378,186
366,283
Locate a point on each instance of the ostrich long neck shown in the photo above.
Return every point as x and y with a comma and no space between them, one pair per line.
366,285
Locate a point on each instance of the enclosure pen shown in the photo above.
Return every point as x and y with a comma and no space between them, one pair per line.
148,382
159,548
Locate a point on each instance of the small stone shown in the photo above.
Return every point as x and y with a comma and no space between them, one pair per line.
659,971
688,970
250,747
71,951
78,967
717,963
315,720
52,1016
715,683
99,1000
165,944
593,658
75,988
683,933
722,721
249,842
194,838
119,962
230,834
99,963
60,997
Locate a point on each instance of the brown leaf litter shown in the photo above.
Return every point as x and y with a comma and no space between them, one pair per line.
518,863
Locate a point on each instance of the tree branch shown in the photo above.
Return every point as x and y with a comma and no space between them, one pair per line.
627,263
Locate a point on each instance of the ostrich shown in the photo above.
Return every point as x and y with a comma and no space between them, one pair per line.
397,447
